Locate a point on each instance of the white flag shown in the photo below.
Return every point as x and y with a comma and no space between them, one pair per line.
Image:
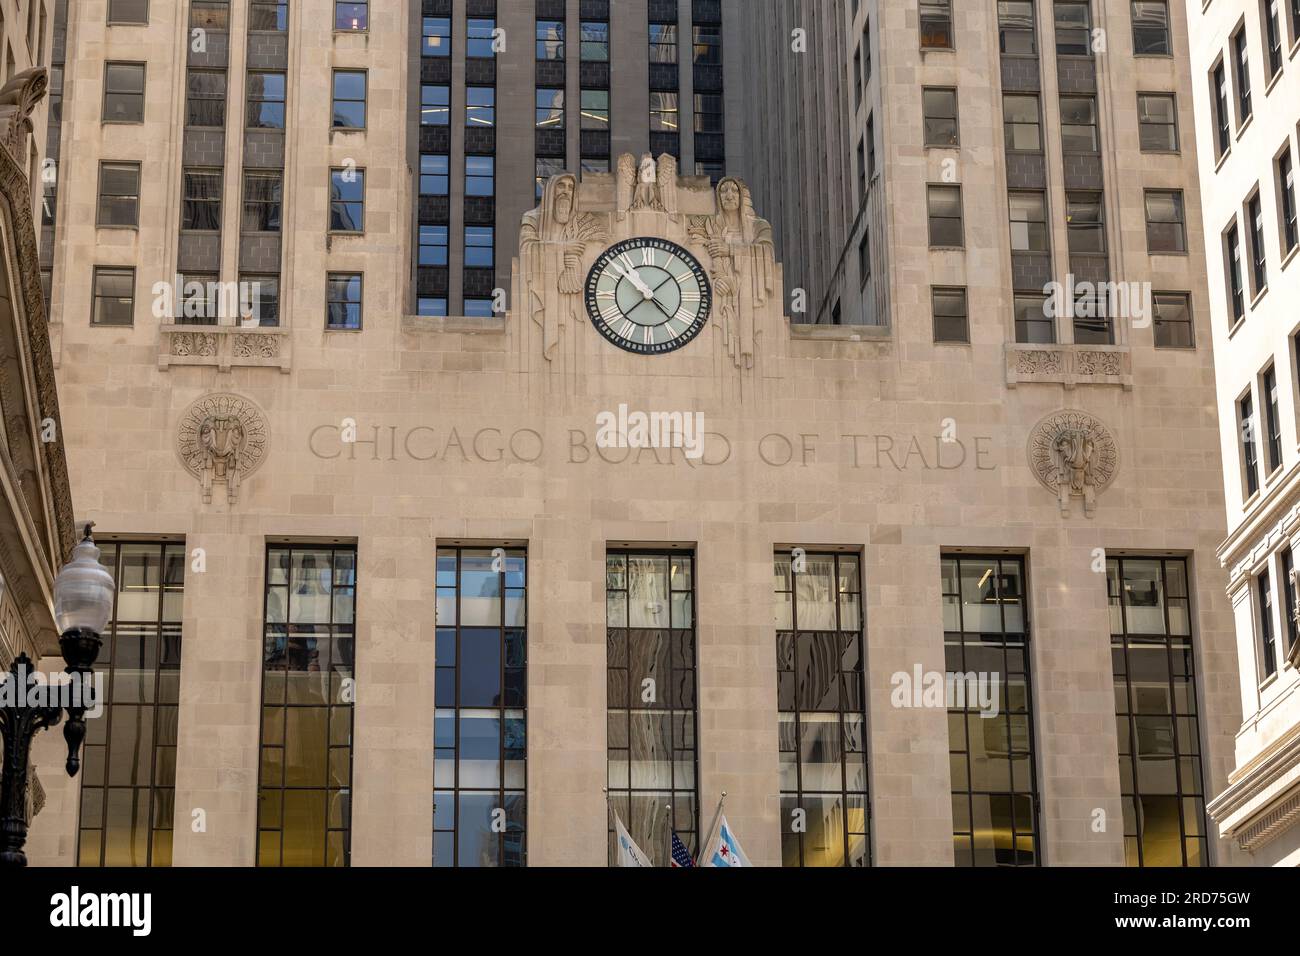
726,851
629,854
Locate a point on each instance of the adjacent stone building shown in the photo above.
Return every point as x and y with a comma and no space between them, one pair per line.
36,522
1246,82
938,586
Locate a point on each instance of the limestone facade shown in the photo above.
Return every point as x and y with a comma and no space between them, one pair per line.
483,431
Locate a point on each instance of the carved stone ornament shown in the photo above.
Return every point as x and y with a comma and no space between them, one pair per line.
1099,363
1073,455
1039,361
736,231
552,240
222,437
18,98
251,345
194,343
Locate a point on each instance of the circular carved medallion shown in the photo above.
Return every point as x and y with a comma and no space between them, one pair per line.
1073,453
222,435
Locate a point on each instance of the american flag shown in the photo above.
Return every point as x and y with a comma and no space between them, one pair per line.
681,858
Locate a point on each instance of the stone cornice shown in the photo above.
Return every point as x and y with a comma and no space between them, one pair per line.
1279,511
1263,797
16,202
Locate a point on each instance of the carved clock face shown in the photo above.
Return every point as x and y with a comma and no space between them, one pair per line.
648,296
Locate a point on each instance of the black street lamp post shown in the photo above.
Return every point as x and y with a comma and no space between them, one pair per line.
83,603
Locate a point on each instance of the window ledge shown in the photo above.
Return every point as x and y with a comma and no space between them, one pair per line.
1268,87
1223,158
1069,365
465,324
1286,259
840,333
1258,295
1245,124
224,346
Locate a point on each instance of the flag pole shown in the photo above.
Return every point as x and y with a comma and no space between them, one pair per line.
713,827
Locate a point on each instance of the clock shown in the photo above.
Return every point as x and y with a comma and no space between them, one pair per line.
648,296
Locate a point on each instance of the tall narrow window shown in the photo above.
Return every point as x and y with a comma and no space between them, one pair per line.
822,716
1258,256
991,749
1034,322
205,99
1232,257
1273,419
1073,28
936,24
435,35
1020,126
123,93
351,16
1273,36
347,200
480,757
349,110
1028,222
480,38
1172,320
550,39
201,201
1150,27
269,16
1288,589
1264,606
1079,125
939,114
1016,28
128,775
113,299
1222,124
1166,226
1157,123
435,105
1241,54
1155,709
1249,447
943,206
1286,190
650,654
304,815
951,318
265,100
119,195
1085,225
262,194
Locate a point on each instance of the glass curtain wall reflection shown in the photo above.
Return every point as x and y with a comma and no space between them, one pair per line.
480,756
650,656
304,815
1155,712
128,774
991,751
822,717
